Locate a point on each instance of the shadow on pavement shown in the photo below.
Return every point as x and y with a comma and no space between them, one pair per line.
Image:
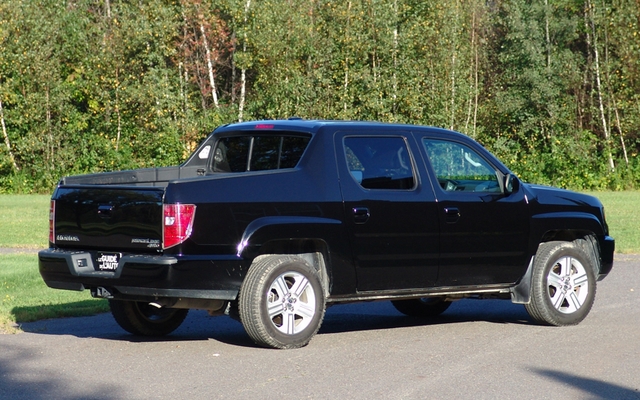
38,384
338,319
593,388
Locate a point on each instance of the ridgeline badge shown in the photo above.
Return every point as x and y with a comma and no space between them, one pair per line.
67,238
151,243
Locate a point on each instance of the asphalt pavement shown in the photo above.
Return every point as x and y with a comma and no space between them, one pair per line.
478,349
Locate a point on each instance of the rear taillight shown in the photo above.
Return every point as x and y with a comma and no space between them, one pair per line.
177,223
52,221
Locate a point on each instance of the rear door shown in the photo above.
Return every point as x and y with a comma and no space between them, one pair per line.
390,213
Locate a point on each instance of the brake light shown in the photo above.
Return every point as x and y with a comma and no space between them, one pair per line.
264,126
177,223
52,222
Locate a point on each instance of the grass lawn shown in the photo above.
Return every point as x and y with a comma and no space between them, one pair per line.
25,220
623,217
24,297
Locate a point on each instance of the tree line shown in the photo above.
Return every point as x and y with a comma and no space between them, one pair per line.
550,86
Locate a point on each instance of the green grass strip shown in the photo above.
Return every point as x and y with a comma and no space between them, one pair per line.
24,297
25,220
623,217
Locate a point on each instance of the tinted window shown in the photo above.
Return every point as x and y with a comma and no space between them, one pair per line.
258,153
459,168
231,154
379,162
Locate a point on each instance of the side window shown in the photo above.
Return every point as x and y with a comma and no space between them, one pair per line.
258,153
379,162
459,168
231,154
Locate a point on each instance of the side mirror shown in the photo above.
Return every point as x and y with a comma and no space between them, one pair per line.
511,184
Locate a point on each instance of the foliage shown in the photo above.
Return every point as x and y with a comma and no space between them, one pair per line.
551,86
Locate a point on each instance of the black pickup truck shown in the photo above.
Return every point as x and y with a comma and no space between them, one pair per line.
272,221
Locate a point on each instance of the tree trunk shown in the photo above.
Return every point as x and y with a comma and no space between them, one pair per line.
233,68
473,76
395,60
243,72
209,66
598,84
119,129
346,62
48,128
453,66
548,38
6,139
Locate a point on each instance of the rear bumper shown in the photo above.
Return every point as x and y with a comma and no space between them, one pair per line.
144,277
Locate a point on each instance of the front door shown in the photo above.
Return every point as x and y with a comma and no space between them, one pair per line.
483,232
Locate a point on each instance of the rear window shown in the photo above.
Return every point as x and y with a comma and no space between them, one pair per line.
258,153
379,162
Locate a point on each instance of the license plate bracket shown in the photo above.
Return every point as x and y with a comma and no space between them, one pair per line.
108,261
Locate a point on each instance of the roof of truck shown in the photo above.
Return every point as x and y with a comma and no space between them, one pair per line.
312,126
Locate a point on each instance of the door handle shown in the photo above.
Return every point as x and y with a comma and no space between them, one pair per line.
452,214
360,214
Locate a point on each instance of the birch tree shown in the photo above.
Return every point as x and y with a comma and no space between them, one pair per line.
593,42
7,142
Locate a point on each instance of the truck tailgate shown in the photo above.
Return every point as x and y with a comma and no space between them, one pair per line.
108,217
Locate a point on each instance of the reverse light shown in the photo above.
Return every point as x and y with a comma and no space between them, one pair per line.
52,222
177,223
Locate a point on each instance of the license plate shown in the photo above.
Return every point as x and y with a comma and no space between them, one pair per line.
108,261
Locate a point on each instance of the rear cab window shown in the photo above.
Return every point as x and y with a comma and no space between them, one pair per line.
258,152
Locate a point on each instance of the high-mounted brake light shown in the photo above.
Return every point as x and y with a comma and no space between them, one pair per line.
264,126
177,223
52,221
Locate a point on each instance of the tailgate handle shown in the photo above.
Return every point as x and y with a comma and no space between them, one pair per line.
104,211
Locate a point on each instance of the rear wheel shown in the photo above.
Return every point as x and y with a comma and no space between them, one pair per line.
423,307
281,302
143,319
563,284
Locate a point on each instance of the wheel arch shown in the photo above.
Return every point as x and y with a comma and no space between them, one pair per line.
586,240
314,252
293,235
571,227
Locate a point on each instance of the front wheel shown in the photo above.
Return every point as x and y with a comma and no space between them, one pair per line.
143,319
281,302
563,284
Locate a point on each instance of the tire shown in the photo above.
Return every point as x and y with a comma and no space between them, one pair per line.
281,302
563,284
143,319
424,307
